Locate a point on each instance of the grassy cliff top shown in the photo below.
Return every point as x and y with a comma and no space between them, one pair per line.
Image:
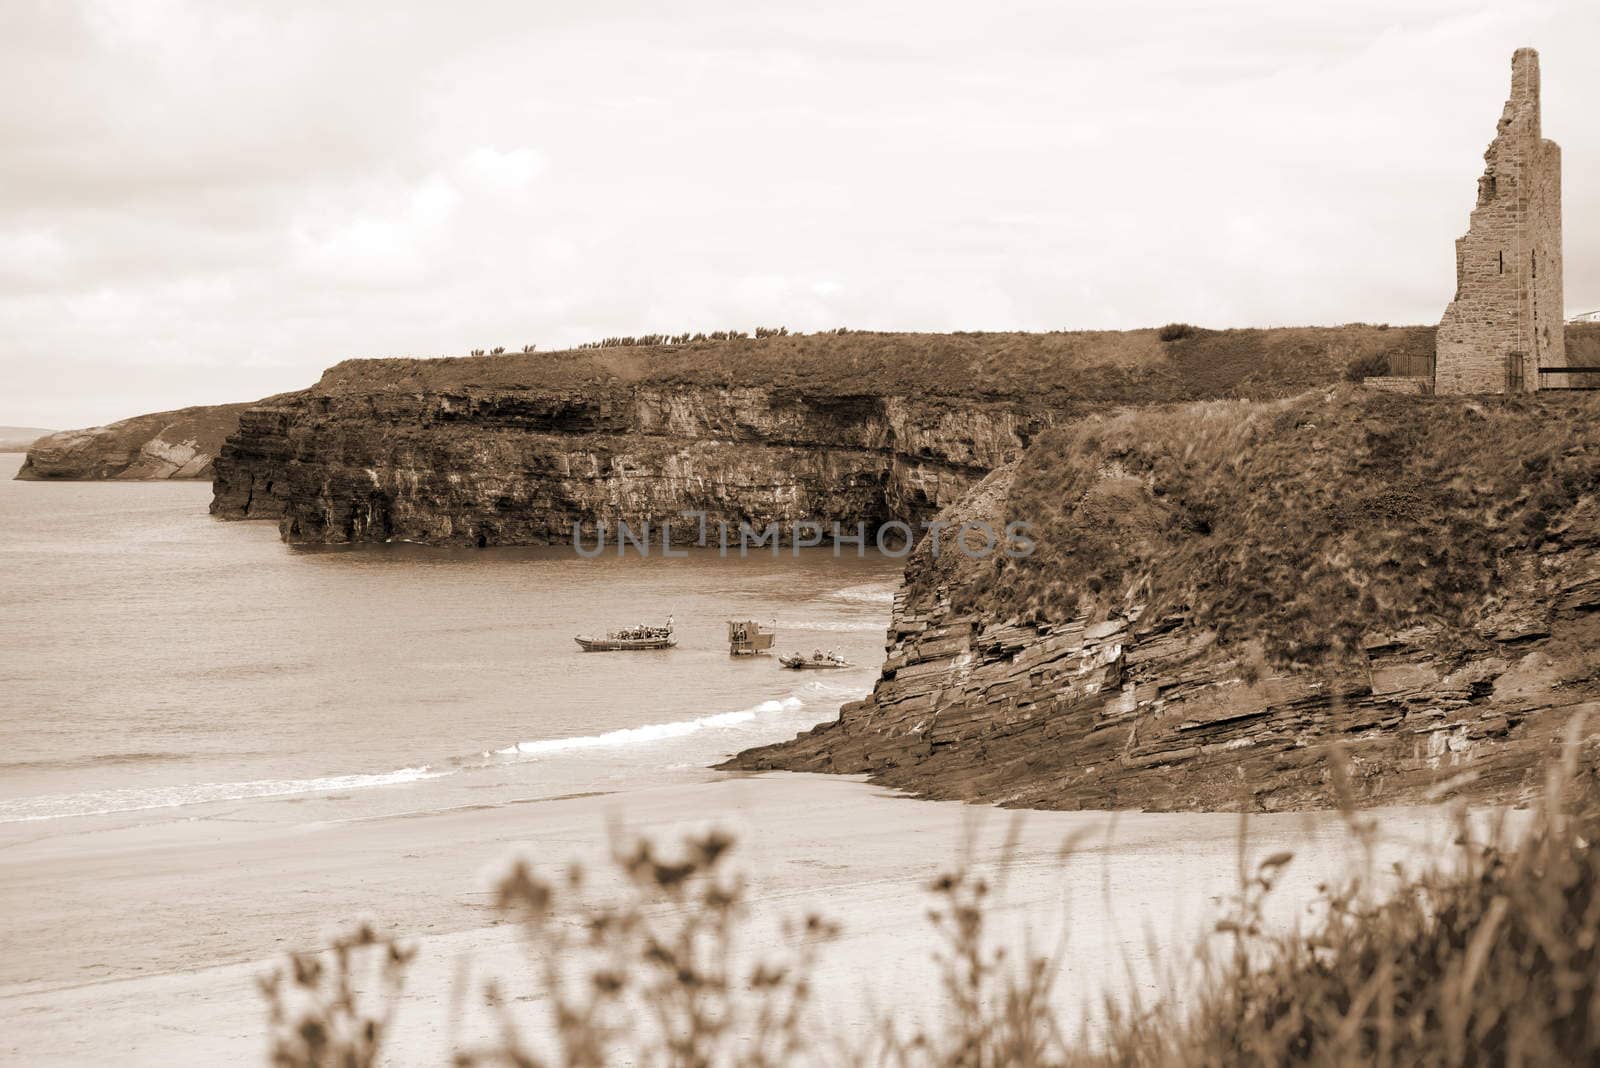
1117,367
1303,523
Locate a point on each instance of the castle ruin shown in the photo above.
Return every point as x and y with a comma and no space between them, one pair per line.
1505,322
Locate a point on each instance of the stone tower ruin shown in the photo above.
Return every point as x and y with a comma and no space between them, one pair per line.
1505,322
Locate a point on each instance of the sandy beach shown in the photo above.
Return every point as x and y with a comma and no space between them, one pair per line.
196,909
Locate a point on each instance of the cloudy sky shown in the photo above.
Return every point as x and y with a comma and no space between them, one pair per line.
212,200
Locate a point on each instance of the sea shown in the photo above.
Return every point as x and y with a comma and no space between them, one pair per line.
155,661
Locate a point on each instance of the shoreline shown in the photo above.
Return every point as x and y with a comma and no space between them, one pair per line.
197,908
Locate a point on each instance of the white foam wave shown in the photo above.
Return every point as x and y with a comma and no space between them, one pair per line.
650,732
865,593
865,627
826,691
138,799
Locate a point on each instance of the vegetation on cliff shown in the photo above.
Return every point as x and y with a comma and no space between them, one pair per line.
838,427
1222,590
1304,523
1059,368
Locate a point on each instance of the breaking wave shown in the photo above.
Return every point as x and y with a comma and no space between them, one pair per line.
650,732
865,593
141,798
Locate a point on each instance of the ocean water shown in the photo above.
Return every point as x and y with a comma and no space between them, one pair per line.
155,662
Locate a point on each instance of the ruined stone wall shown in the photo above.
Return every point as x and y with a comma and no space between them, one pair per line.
1508,302
1548,292
1408,384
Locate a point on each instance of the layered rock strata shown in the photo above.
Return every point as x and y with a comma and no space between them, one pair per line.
847,427
1125,705
1146,713
179,444
502,466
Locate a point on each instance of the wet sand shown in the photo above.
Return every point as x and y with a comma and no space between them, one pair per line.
142,940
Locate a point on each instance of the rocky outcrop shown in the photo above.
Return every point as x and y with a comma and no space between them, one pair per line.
502,466
845,427
178,444
1123,704
1148,713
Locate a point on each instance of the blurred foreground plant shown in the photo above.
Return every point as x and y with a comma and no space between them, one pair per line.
1494,959
654,977
315,1016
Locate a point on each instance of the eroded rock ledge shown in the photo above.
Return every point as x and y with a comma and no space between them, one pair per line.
499,466
180,444
1149,714
837,427
1125,705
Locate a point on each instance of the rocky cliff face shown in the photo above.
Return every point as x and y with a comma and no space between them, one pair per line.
1119,703
838,427
178,444
1149,713
491,466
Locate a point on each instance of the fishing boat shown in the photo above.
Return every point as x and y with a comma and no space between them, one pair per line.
817,661
746,638
644,636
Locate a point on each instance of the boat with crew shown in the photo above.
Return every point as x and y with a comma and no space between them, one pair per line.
643,636
817,661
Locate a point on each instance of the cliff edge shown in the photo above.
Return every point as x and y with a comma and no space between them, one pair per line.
848,427
1222,591
176,444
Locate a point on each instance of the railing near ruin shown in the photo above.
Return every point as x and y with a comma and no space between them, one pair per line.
1588,377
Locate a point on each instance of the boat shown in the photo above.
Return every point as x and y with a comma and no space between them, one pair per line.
746,638
817,661
644,636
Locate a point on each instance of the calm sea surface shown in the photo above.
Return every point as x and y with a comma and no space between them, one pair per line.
153,660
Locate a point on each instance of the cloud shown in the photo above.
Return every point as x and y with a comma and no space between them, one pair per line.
509,173
204,202
397,244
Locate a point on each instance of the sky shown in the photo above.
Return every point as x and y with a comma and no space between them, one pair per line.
212,200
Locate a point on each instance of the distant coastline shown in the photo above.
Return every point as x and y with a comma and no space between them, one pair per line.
21,438
179,444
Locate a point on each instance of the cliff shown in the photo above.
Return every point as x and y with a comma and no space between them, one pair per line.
840,427
1222,591
177,444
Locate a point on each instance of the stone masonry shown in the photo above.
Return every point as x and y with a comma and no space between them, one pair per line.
1506,319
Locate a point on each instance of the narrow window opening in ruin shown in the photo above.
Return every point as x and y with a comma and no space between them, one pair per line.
1533,263
1502,262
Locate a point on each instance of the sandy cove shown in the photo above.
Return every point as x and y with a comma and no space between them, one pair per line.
199,906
